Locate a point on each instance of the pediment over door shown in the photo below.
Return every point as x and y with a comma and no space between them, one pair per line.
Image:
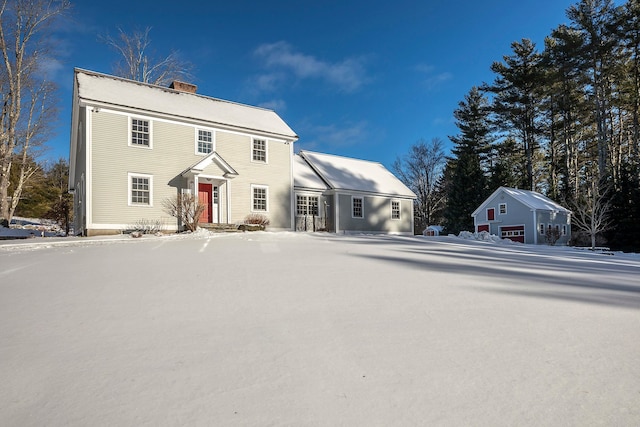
211,165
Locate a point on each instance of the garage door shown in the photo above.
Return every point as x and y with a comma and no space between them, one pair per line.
513,232
483,227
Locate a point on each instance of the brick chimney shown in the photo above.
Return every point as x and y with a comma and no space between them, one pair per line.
183,87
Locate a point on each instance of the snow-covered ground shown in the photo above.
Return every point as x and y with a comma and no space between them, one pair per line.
316,329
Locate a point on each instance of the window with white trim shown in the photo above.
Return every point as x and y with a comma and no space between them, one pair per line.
395,209
306,205
313,205
259,151
205,142
502,209
357,210
140,133
140,190
564,230
259,197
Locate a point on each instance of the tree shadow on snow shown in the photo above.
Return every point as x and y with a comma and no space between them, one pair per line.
524,270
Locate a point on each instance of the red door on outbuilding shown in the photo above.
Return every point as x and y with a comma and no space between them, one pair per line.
204,197
483,227
513,232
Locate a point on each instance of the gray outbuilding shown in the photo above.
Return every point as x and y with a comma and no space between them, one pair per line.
523,216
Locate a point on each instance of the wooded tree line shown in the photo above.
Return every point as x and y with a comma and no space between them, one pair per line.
562,119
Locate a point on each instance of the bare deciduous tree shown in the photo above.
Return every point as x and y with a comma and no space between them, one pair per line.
138,63
420,170
26,96
186,208
591,212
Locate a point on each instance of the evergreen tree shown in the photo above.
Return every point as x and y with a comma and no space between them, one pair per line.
517,101
466,183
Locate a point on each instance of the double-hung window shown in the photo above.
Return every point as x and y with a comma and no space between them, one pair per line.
502,208
205,142
395,209
259,198
140,133
357,208
259,152
140,190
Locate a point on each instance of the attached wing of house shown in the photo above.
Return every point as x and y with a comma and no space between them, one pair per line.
355,196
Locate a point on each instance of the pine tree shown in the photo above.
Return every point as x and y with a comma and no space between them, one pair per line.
466,182
517,101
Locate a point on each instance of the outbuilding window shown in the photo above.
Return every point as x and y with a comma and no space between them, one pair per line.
502,208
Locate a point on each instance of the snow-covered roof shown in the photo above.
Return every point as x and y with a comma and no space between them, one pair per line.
304,177
531,199
344,173
103,88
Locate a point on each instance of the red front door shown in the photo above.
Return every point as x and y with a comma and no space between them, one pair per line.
204,196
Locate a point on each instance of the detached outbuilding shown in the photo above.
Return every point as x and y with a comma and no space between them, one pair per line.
523,216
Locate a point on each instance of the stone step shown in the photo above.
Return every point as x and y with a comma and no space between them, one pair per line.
219,228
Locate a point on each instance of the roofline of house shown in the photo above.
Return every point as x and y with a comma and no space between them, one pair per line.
289,137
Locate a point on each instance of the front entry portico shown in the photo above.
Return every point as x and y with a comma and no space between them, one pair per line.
209,179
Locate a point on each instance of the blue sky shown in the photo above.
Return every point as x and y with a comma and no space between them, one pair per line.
363,79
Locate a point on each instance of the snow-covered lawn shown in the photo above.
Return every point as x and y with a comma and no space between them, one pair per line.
313,329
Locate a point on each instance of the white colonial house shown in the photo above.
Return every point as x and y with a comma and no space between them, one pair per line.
135,145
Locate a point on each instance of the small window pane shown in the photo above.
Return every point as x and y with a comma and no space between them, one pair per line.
259,150
395,210
301,205
140,132
259,199
357,207
205,144
313,206
140,190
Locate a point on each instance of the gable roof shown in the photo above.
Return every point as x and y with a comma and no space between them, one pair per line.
304,177
348,174
103,88
531,199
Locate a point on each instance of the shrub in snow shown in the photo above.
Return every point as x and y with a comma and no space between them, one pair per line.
483,236
186,208
258,219
147,226
552,235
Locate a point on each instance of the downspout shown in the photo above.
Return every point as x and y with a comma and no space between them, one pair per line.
535,228
89,173
336,211
228,197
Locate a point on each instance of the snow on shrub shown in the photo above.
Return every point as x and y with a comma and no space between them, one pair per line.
483,236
